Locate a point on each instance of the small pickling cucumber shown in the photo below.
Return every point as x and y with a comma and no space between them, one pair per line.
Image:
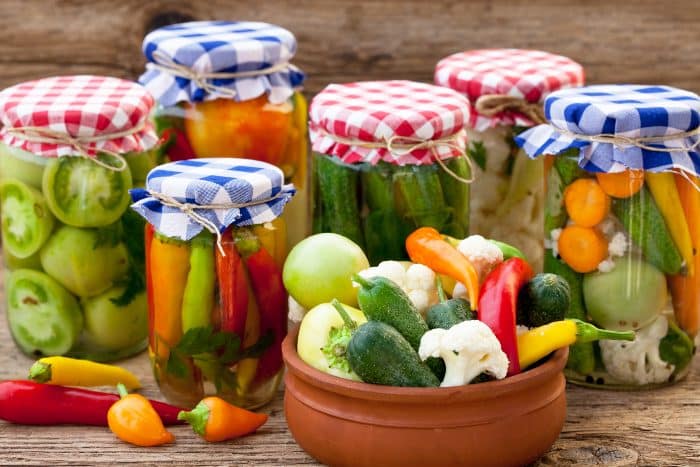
379,354
422,196
26,219
456,194
45,319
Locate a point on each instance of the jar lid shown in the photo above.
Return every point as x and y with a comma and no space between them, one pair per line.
182,198
77,115
206,60
528,75
400,122
616,127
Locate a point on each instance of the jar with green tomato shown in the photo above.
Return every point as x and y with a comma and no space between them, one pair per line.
71,148
622,225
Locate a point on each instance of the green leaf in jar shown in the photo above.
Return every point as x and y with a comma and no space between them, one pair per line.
477,151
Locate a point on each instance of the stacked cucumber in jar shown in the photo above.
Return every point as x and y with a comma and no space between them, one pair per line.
621,225
73,252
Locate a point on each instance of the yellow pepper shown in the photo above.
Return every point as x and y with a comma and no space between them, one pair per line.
539,342
66,371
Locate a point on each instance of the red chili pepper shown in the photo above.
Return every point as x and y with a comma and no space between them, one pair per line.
30,403
233,287
497,305
266,279
179,147
148,238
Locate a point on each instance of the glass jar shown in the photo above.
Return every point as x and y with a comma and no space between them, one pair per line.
505,88
72,250
621,226
389,158
249,105
218,307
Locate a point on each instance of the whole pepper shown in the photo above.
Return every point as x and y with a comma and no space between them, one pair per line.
497,305
216,420
74,372
233,287
426,246
133,420
30,403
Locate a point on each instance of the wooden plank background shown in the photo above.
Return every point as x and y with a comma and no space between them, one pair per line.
643,41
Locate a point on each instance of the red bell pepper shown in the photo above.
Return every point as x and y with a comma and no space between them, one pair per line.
30,403
497,305
233,287
266,279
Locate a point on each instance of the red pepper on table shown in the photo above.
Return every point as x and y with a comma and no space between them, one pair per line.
233,287
30,403
266,279
497,305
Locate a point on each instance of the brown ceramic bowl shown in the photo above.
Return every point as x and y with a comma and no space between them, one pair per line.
340,422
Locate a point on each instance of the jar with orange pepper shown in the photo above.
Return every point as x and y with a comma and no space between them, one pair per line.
622,225
228,89
215,245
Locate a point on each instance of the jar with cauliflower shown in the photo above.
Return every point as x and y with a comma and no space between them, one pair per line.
622,225
505,88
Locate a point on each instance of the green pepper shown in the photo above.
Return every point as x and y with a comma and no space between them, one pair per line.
447,313
676,347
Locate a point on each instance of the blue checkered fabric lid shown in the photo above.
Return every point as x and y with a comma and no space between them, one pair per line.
206,60
615,127
223,191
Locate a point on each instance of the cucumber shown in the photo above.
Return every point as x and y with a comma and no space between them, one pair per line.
337,192
567,166
421,194
382,300
647,229
379,354
554,212
456,195
581,356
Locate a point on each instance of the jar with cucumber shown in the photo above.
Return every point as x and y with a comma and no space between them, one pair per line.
505,88
218,307
622,226
248,104
73,252
377,176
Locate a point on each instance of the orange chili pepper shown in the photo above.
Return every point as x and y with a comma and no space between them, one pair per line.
134,420
426,246
216,420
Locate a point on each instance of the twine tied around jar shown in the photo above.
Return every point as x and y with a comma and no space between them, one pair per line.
202,78
191,211
399,146
642,142
490,105
81,144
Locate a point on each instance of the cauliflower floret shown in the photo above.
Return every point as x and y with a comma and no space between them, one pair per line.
296,311
618,245
460,291
483,254
520,329
468,349
638,362
418,281
553,241
606,265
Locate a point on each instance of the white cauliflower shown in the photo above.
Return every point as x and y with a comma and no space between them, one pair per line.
417,280
520,329
554,242
617,246
638,362
296,311
468,349
483,254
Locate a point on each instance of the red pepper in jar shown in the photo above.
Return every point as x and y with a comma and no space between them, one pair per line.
179,147
497,305
233,287
30,403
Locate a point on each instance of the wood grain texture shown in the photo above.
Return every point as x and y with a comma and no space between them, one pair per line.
643,41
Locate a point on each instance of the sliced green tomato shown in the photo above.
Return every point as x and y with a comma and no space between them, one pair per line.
83,194
140,163
26,219
21,165
45,319
112,327
12,262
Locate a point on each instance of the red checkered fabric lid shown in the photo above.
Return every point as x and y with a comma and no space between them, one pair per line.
77,115
400,122
527,74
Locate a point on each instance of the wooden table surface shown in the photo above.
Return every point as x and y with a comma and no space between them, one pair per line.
602,428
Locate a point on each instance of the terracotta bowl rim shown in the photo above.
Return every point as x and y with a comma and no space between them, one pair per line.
548,369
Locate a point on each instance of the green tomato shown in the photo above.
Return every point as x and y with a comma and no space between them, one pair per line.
75,258
112,327
627,298
314,332
22,165
320,268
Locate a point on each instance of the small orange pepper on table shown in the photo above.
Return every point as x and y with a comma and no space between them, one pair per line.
134,420
216,420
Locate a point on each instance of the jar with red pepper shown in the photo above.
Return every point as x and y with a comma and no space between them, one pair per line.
622,225
215,245
228,89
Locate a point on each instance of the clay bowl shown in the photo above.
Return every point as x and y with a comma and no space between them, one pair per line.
340,422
